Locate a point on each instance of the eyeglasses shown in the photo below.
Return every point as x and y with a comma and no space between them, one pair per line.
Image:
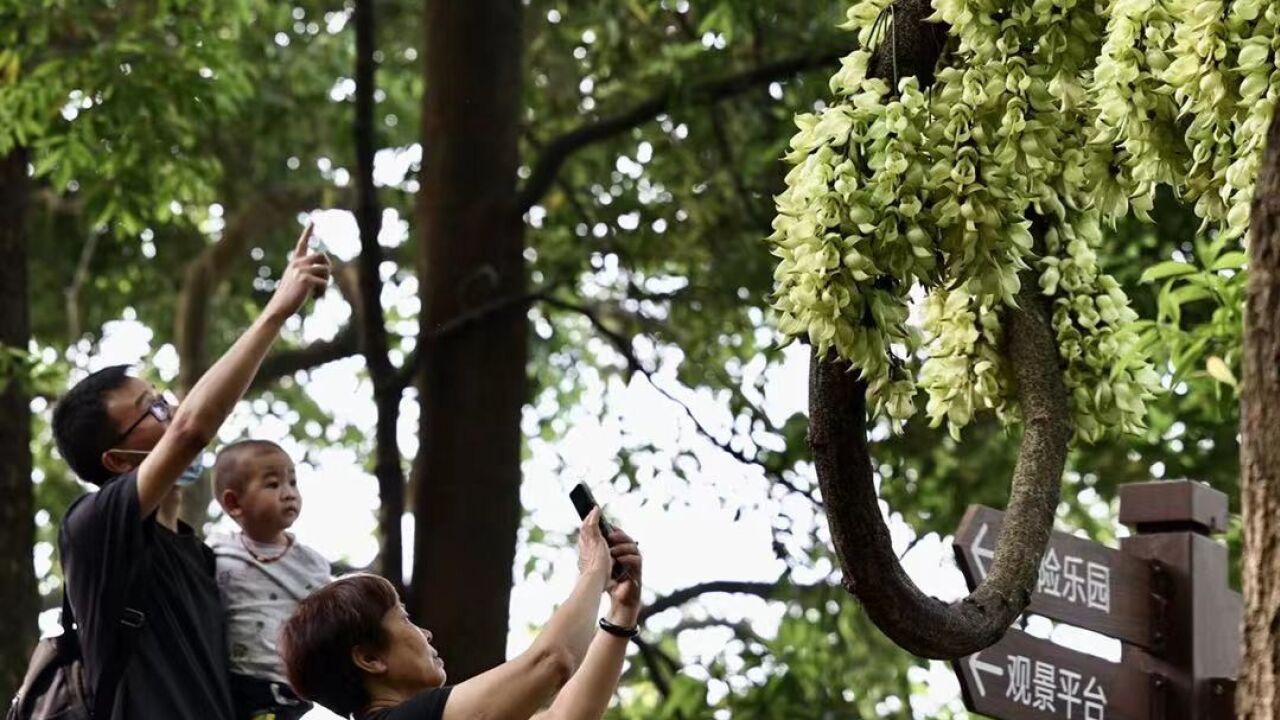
160,409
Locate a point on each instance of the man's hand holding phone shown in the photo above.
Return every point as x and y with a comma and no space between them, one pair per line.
306,276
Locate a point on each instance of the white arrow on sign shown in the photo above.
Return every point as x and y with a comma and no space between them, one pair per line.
976,665
980,553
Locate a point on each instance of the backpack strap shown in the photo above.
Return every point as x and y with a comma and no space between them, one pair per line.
131,622
128,630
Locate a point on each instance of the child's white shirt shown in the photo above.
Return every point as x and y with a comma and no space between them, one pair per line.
260,596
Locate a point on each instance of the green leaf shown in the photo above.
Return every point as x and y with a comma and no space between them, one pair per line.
1190,293
1167,269
1234,260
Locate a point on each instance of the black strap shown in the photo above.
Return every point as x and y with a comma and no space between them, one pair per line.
128,630
618,630
130,626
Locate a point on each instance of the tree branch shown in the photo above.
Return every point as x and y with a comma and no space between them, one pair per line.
920,624
623,345
387,392
741,628
207,270
679,597
556,152
651,656
409,369
287,362
72,291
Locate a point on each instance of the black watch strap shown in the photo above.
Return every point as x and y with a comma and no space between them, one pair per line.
618,630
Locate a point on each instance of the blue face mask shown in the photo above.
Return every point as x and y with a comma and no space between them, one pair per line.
193,472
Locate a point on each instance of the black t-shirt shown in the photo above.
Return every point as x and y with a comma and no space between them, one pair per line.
178,668
426,705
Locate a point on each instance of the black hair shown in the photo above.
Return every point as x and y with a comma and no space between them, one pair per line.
229,469
81,427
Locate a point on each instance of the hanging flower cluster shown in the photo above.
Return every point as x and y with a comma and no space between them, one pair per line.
1048,120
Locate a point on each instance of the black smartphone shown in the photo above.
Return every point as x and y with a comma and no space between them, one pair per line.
584,502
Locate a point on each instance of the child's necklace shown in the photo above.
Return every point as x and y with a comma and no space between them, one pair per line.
264,559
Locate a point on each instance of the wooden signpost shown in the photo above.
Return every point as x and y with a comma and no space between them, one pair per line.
1163,594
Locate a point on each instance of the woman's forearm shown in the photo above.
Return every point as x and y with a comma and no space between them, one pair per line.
573,624
516,689
586,696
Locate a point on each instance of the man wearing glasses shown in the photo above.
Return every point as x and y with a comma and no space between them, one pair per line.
135,575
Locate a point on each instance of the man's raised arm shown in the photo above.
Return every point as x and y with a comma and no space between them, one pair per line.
202,412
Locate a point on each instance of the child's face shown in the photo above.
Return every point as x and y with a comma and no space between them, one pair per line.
270,500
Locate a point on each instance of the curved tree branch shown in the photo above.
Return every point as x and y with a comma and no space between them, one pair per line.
923,625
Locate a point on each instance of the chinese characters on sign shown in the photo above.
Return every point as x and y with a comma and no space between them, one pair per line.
1065,580
1043,686
1027,678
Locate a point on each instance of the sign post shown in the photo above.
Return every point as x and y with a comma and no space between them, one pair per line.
1164,595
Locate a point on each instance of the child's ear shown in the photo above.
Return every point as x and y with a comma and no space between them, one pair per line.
368,660
231,503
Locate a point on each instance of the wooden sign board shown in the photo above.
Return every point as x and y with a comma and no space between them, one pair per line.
1081,582
1025,678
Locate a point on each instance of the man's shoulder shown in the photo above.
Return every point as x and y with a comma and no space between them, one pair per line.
116,501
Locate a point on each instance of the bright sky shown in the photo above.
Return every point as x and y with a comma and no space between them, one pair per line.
671,518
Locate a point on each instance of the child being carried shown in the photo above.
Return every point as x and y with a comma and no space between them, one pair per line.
262,573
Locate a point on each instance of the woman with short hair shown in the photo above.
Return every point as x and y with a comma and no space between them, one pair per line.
351,647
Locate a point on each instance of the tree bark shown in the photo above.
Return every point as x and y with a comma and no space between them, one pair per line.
920,624
18,594
472,382
1258,693
386,391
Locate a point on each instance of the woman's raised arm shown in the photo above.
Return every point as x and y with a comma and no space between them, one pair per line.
516,689
587,695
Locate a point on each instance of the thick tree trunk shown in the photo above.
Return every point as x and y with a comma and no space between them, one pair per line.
1258,696
18,594
472,382
386,390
